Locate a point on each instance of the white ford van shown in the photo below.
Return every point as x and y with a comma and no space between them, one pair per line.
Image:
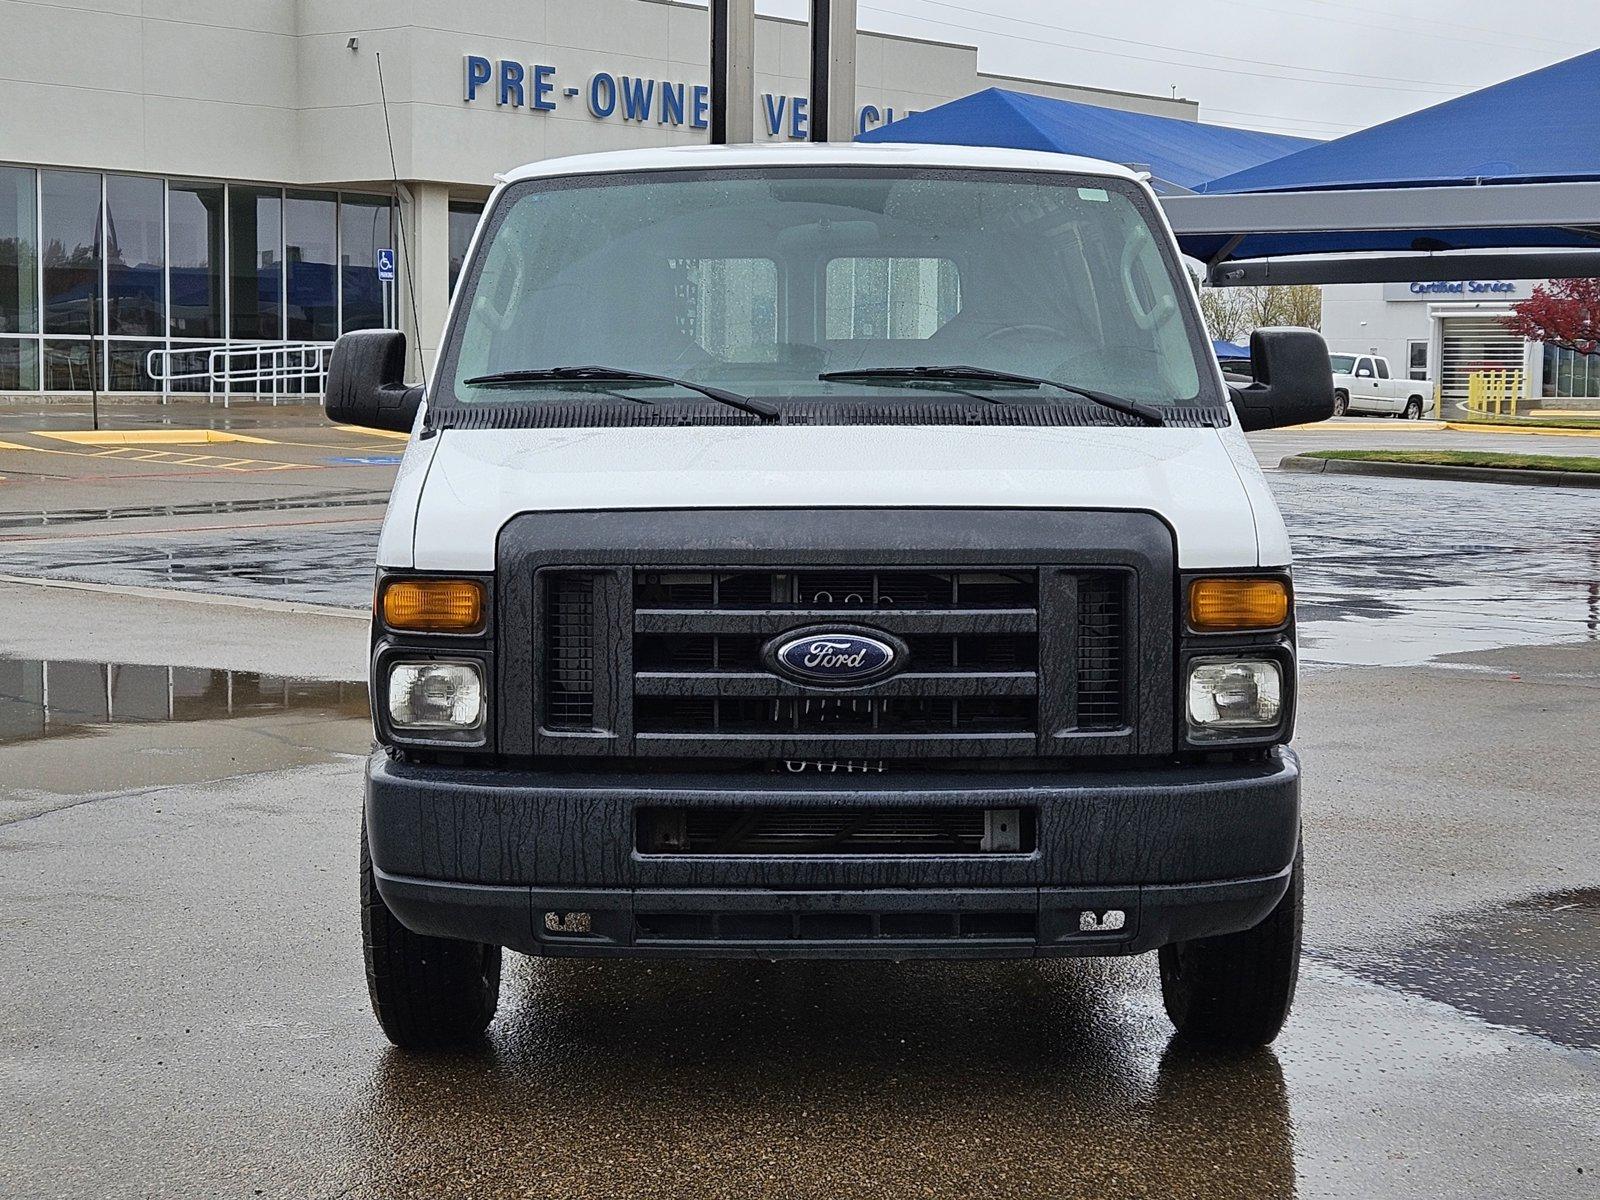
830,551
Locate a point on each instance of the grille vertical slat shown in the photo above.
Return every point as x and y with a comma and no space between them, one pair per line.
1102,622
569,685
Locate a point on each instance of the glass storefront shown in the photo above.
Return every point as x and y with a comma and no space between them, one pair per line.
99,269
1570,375
463,223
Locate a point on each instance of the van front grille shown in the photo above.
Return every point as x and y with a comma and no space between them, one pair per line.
991,660
971,635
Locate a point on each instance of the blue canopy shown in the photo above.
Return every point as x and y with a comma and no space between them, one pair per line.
1501,183
1186,153
1224,349
1543,126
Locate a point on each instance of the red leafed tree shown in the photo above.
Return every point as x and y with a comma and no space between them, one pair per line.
1563,312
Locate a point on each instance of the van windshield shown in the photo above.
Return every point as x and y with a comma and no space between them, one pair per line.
762,282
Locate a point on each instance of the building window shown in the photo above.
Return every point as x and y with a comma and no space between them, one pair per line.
19,251
135,256
1416,360
195,242
255,248
66,364
19,365
1569,375
363,230
70,224
310,236
463,223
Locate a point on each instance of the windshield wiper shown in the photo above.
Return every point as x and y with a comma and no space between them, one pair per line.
594,374
1148,413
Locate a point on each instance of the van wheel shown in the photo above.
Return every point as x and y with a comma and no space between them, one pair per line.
1237,989
425,991
1341,402
1413,409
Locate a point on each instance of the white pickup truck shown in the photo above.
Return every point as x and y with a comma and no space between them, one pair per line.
1363,383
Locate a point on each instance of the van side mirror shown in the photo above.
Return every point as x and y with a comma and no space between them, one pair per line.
1293,380
366,382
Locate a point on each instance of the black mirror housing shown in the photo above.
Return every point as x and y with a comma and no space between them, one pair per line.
366,382
1293,380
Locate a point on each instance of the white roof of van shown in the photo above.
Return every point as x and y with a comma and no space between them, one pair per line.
815,154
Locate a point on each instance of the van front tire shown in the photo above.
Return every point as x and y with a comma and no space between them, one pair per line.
426,992
1237,989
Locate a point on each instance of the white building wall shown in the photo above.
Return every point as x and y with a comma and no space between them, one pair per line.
1357,319
272,91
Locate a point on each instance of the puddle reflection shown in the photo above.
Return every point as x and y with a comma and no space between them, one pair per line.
825,1079
1530,964
49,698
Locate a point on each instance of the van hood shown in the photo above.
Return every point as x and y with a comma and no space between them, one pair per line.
461,486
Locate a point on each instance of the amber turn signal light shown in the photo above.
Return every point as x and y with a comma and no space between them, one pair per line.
1220,605
432,605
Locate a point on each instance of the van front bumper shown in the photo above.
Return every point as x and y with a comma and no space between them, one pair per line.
546,863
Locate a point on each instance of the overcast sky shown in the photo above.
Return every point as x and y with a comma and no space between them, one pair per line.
1319,68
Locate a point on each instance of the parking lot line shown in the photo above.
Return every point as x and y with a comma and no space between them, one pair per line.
149,437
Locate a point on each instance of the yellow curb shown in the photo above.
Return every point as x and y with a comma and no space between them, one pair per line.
378,433
1483,427
149,437
1349,426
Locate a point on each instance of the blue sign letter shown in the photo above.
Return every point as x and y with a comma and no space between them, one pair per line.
868,117
671,103
774,112
542,87
637,95
477,75
700,114
797,117
510,83
602,94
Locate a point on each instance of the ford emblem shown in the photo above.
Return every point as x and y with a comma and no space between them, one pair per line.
835,656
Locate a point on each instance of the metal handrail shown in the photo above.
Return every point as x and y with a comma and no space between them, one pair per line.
287,368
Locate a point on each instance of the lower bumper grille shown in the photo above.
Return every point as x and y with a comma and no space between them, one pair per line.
860,927
808,831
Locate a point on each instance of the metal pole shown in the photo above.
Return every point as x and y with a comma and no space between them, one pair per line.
733,71
833,70
94,303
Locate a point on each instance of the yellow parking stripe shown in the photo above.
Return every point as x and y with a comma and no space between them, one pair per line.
167,457
149,437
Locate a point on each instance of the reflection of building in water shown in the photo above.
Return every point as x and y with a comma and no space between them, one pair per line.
43,698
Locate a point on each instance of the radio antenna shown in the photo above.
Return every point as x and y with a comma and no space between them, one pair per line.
400,217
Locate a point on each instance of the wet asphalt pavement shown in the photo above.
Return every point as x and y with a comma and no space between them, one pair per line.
182,1010
1387,571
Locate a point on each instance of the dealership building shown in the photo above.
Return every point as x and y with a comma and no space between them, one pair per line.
1449,330
189,176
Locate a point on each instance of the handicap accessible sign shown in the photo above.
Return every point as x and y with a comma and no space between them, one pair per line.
386,265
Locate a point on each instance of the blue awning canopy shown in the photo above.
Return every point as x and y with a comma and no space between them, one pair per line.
1181,153
1503,182
1541,127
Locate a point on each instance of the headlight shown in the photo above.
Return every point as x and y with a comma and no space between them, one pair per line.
441,697
1229,696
